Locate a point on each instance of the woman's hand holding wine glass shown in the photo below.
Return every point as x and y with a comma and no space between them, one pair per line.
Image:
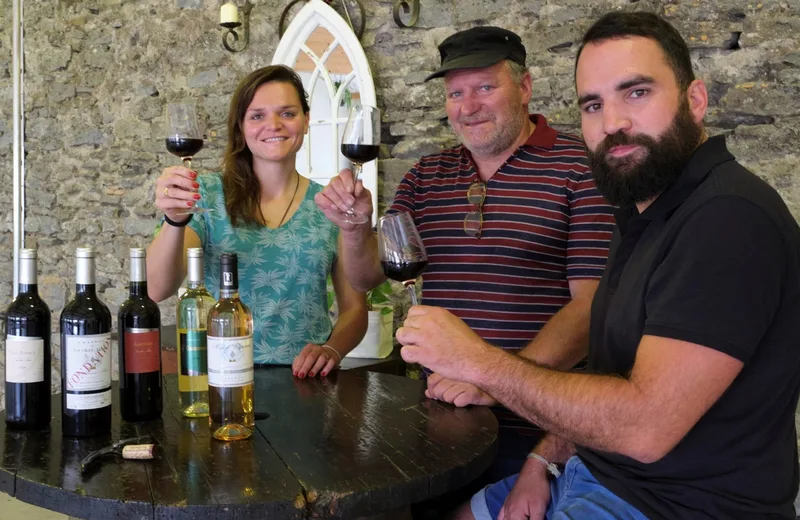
176,189
176,192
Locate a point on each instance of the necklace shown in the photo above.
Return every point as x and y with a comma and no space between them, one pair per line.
296,185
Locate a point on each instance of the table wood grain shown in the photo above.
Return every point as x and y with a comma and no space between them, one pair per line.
354,444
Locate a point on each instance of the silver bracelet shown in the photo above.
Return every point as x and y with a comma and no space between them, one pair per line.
334,351
551,467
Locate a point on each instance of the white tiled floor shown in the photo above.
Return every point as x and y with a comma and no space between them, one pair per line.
13,509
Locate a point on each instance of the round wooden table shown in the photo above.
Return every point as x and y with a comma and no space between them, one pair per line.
353,444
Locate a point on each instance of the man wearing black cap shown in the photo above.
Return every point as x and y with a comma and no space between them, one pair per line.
515,230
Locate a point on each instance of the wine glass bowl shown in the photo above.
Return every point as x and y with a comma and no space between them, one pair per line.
184,139
401,251
361,143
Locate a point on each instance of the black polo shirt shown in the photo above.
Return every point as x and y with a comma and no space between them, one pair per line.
715,260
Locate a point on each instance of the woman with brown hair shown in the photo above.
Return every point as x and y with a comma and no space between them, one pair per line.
262,209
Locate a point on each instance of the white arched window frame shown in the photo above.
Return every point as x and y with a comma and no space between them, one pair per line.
314,14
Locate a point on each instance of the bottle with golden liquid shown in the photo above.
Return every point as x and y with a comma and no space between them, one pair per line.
193,307
230,359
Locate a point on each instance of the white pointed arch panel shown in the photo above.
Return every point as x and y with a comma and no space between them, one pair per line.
322,48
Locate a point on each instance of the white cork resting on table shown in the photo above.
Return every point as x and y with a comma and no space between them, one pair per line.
138,451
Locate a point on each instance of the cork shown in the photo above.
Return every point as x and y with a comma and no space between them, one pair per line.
138,451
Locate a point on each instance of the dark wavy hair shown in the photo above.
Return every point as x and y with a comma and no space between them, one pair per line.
647,25
240,184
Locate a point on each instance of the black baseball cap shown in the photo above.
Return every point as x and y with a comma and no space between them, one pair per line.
477,48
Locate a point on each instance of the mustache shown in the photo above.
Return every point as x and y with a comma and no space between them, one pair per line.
475,119
623,139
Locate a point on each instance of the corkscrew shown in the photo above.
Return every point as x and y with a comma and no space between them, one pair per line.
132,448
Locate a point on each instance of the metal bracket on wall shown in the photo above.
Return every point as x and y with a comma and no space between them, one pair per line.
231,31
359,33
408,7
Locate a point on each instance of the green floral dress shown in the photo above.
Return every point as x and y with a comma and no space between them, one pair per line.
282,272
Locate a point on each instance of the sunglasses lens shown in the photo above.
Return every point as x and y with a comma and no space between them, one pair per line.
476,193
473,223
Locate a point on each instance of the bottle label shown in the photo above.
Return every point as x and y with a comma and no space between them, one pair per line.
142,350
88,362
230,361
24,359
194,354
89,401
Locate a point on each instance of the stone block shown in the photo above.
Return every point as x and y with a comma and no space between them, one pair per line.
415,148
139,226
92,136
466,11
42,224
202,79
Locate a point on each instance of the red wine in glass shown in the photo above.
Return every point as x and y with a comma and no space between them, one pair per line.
184,147
361,143
361,153
184,139
402,271
401,251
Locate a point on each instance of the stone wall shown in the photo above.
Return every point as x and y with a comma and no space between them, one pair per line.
99,73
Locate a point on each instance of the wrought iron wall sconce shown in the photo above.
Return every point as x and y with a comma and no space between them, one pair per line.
229,19
407,7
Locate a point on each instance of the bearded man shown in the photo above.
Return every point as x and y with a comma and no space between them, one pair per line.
687,409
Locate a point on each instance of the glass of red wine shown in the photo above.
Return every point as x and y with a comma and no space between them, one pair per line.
184,138
361,143
401,250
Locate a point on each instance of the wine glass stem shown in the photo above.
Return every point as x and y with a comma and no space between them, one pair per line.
356,174
187,162
412,291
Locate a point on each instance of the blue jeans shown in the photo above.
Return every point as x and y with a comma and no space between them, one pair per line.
575,495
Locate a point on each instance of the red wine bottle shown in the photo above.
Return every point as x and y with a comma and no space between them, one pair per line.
85,356
27,352
139,326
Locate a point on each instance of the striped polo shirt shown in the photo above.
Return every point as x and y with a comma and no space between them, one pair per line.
544,223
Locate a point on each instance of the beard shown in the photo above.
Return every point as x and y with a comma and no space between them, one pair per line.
631,179
498,140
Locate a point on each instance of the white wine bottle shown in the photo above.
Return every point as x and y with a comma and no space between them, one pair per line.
193,307
230,359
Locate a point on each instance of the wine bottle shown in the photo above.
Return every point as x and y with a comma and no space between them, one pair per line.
193,307
27,350
230,359
139,329
85,356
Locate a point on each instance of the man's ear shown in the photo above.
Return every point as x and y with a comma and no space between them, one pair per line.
698,99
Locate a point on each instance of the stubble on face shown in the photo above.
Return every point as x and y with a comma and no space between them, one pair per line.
499,122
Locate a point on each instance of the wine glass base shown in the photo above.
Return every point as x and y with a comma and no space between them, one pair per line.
193,211
351,217
355,220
